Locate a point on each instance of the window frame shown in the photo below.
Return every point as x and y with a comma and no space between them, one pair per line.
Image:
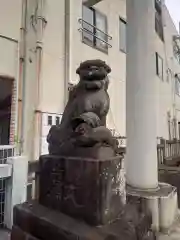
93,43
169,75
49,120
57,120
161,76
177,83
122,20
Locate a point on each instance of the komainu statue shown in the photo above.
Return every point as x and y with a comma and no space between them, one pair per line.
82,187
82,131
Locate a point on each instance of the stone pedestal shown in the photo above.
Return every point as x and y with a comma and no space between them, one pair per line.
81,199
88,189
33,221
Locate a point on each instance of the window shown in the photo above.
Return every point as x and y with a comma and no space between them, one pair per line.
49,120
159,66
169,75
177,85
57,120
158,19
176,47
179,129
122,35
94,28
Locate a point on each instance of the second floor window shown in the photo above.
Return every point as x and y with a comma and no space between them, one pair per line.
122,35
159,66
94,26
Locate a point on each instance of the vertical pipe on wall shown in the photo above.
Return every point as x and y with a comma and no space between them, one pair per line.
21,82
39,51
67,48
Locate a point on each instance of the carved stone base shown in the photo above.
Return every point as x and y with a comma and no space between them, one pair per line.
88,189
38,222
19,234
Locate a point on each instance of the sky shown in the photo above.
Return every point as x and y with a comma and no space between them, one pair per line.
174,9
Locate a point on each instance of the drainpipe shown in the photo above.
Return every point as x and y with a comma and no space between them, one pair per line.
39,50
21,82
67,48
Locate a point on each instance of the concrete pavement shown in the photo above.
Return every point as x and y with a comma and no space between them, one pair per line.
4,235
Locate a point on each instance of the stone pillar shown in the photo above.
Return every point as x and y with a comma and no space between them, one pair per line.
141,162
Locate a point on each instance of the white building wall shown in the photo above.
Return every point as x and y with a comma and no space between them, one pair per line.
115,58
10,19
52,88
167,100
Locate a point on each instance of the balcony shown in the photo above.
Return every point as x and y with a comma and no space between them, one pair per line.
90,3
176,46
94,37
158,5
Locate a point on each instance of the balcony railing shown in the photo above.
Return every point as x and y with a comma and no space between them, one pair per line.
105,39
176,46
90,3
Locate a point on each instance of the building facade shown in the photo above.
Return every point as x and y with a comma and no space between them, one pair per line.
43,42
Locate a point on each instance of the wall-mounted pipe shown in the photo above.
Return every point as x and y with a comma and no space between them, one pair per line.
22,79
41,23
67,25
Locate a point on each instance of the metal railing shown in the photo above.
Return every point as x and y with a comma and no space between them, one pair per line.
122,141
169,152
92,33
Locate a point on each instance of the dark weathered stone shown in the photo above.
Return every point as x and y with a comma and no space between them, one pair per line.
18,234
46,224
82,131
87,189
83,176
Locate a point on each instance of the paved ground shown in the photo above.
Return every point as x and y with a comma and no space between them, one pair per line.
4,235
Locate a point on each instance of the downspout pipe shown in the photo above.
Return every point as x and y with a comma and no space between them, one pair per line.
67,26
41,22
22,77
